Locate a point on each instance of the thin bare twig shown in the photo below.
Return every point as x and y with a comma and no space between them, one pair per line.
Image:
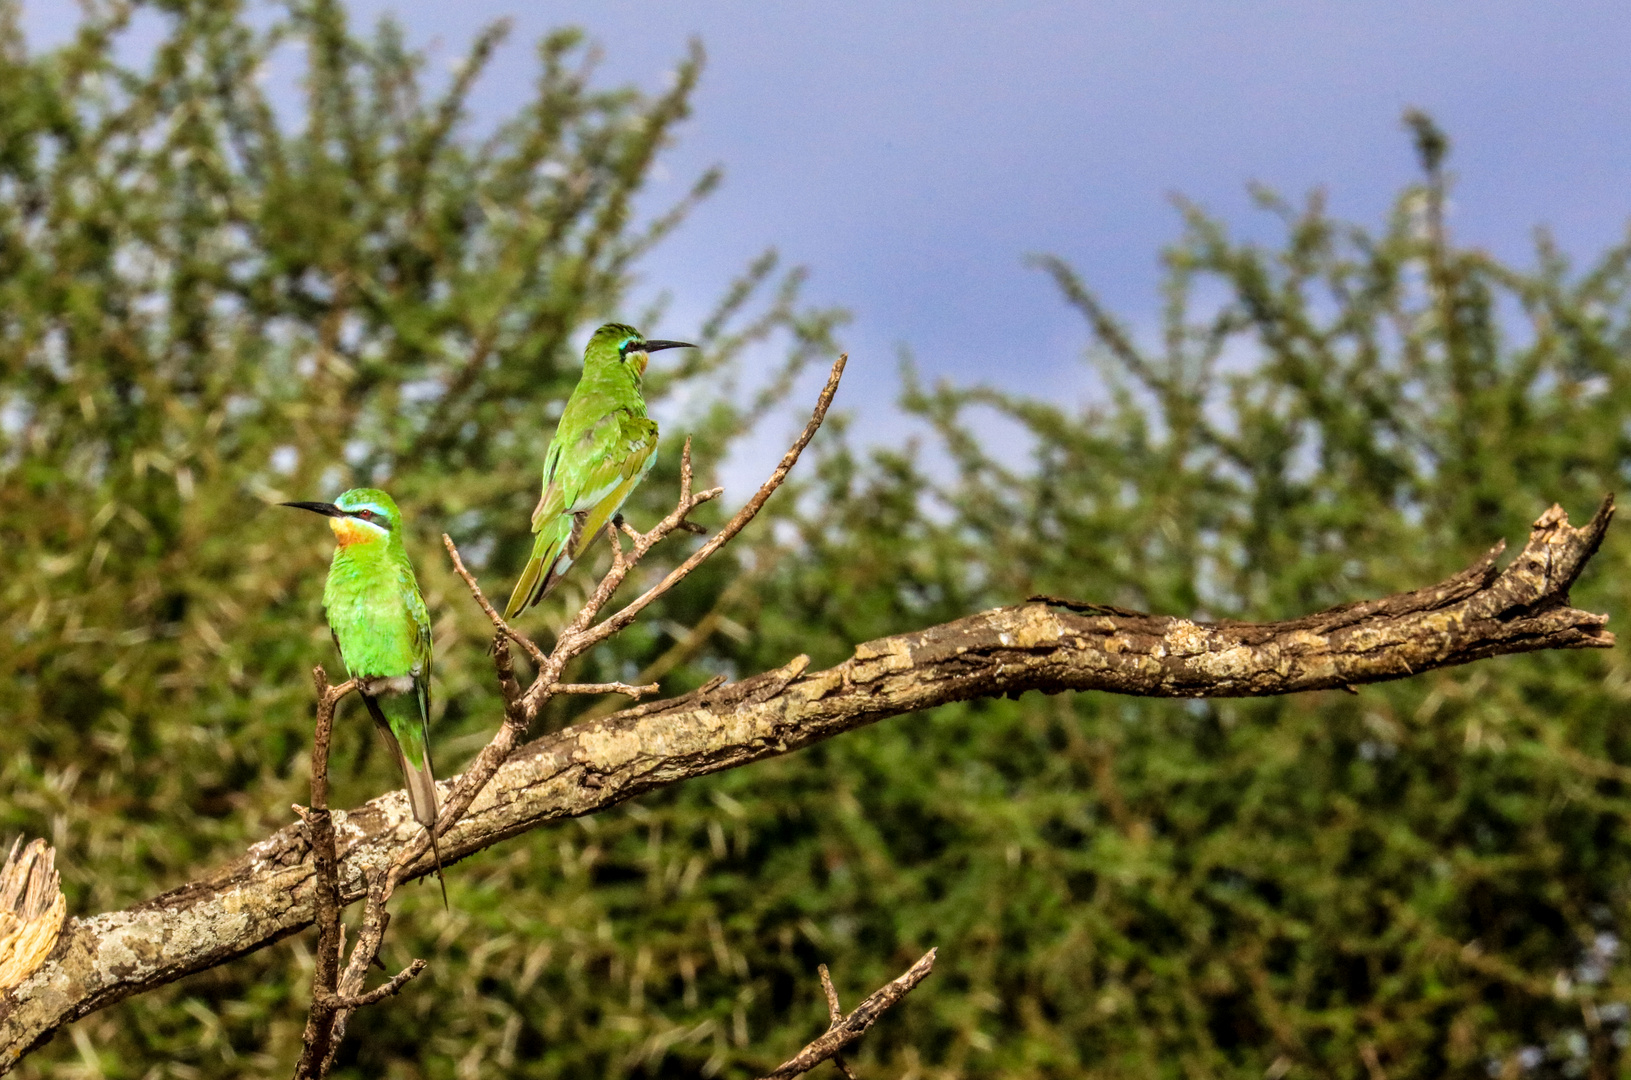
835,1012
835,1016
846,1029
527,644
384,990
623,618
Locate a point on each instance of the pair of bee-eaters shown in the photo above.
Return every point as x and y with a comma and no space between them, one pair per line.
603,447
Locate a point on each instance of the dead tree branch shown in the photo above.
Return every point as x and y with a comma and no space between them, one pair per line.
269,893
326,884
844,1030
32,909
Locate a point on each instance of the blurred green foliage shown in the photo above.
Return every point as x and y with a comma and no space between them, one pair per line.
206,306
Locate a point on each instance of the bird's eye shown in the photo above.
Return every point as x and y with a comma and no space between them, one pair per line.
366,515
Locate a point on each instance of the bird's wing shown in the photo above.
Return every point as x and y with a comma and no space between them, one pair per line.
596,465
550,502
584,485
423,652
630,443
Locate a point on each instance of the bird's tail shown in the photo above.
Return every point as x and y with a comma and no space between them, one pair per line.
549,562
421,783
405,734
436,851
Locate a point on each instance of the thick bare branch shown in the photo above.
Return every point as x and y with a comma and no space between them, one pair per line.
268,894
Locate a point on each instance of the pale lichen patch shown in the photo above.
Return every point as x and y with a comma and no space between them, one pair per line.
1184,638
875,659
609,748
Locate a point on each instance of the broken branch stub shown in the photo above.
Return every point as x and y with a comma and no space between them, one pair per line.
32,909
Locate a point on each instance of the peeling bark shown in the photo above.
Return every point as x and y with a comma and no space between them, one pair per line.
1050,645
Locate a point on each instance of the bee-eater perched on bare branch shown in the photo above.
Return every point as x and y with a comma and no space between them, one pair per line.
603,447
382,628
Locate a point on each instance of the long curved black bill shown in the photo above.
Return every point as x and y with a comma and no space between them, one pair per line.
326,509
659,346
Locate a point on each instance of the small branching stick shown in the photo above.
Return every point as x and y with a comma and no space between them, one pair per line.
835,1016
843,1030
623,618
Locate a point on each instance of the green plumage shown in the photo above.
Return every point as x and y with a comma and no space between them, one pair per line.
382,628
603,447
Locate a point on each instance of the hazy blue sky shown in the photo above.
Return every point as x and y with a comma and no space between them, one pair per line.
912,154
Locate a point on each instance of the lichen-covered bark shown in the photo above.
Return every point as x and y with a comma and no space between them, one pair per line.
1050,645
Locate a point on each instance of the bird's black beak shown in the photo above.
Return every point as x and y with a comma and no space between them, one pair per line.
659,346
326,509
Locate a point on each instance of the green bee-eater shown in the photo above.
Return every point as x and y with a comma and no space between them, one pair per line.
382,628
603,447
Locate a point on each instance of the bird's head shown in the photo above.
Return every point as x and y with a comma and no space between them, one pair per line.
616,343
359,516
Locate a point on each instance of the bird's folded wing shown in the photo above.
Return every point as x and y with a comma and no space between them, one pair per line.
637,444
622,445
551,502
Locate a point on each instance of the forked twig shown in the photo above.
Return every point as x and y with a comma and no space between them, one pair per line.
529,646
623,618
844,1030
835,1016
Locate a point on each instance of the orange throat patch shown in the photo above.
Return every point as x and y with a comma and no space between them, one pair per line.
348,531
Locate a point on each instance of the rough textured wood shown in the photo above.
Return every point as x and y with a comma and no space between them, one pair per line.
32,908
268,893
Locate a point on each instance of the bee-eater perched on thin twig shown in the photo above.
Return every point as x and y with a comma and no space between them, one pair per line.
382,628
603,447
